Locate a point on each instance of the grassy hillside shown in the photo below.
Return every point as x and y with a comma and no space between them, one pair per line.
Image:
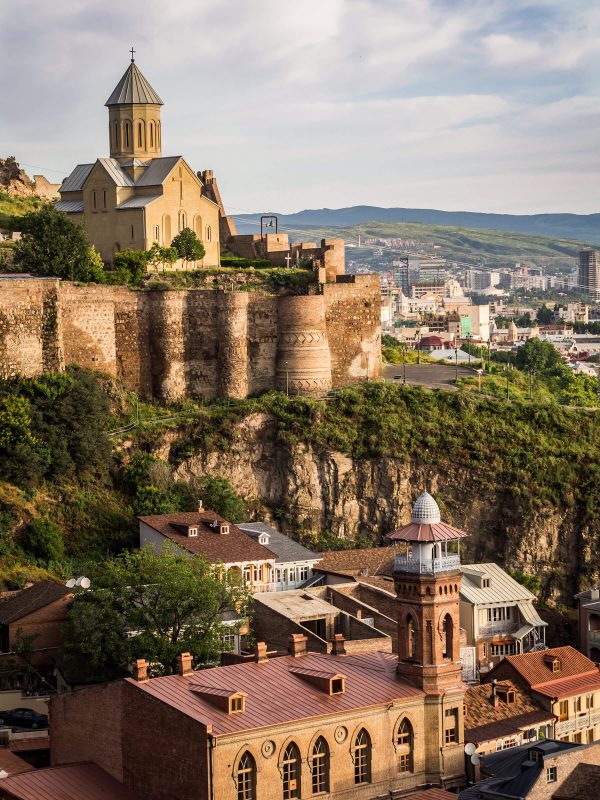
15,207
463,244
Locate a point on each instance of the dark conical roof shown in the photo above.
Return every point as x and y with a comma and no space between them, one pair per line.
133,88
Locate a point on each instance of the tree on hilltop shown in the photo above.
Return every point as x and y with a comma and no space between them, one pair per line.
188,246
53,246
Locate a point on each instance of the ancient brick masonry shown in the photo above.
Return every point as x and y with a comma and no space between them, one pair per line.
173,344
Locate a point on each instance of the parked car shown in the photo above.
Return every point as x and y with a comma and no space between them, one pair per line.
23,718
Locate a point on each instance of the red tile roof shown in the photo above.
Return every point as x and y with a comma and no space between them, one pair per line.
233,547
274,695
367,561
32,599
537,672
424,532
69,782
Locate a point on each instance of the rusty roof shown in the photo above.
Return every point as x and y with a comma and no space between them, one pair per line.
227,548
480,710
69,782
536,670
426,532
431,794
28,744
275,696
367,561
32,599
12,764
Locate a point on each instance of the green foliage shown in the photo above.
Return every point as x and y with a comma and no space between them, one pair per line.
244,263
149,482
323,541
52,245
539,357
162,256
12,209
43,539
53,427
188,246
545,315
531,582
129,267
217,494
145,605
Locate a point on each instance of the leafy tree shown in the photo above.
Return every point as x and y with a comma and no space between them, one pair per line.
188,246
154,606
44,540
129,267
52,245
162,256
390,341
539,357
219,495
545,315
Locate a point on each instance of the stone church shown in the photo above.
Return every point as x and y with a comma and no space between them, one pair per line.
137,196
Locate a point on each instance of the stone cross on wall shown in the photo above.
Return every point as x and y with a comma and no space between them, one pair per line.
288,258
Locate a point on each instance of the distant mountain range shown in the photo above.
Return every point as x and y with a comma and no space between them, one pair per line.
583,227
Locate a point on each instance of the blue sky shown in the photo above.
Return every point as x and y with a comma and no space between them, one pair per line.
480,105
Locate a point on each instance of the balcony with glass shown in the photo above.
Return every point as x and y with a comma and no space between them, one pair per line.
427,559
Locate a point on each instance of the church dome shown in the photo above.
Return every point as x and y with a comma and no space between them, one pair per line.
425,510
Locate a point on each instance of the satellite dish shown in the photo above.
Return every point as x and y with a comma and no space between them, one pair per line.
84,582
470,748
71,583
475,760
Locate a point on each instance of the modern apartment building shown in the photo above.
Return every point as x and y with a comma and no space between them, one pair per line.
589,272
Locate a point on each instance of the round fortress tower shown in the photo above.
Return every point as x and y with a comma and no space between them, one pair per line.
303,364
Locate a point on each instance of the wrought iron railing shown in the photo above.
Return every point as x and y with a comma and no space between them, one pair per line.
443,564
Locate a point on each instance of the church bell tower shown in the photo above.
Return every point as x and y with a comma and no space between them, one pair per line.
134,118
427,580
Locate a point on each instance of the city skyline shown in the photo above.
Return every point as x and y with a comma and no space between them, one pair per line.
453,105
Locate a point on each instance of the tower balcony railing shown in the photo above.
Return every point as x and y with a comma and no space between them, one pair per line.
427,566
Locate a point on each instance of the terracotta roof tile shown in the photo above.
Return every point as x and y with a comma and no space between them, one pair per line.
534,668
480,710
275,696
368,561
233,547
570,686
32,599
70,782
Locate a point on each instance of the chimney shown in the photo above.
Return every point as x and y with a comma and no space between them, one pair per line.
261,653
338,648
139,670
184,664
297,645
494,696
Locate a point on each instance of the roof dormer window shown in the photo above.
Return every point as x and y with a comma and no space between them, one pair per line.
553,663
223,528
263,538
485,583
236,704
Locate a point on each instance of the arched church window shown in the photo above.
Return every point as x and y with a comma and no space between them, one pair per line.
166,230
208,233
116,134
411,638
290,768
198,227
182,220
246,777
140,135
319,766
158,135
404,745
448,636
127,134
104,198
156,233
361,755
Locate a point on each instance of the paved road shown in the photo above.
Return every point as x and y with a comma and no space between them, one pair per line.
433,376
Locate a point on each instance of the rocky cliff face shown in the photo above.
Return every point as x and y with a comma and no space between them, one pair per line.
307,488
14,180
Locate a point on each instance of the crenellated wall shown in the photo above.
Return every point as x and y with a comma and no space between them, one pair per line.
175,344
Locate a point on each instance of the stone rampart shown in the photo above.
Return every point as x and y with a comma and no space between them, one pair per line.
175,344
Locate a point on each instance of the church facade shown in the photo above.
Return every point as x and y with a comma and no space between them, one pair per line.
137,196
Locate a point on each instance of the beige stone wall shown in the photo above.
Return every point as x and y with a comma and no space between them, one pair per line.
173,344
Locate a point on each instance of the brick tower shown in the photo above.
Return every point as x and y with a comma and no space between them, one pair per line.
427,581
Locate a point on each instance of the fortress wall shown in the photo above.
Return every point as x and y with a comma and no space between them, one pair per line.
175,344
262,342
303,363
353,312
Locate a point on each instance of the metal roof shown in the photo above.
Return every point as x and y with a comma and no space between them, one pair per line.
157,171
69,206
502,588
137,202
529,614
285,549
296,604
68,782
415,532
75,181
116,172
133,88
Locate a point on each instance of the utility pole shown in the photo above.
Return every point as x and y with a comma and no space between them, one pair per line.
456,359
479,372
403,365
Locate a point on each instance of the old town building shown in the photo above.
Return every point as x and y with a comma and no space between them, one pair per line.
295,726
589,623
294,563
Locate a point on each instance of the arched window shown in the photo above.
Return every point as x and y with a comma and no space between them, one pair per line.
127,134
94,199
104,198
198,227
448,636
319,766
116,134
290,767
208,233
182,220
361,755
151,126
411,638
158,135
404,746
132,233
140,135
156,233
246,777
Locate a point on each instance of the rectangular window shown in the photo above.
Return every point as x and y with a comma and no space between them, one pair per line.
104,199
590,735
450,725
94,200
404,762
577,737
563,710
590,701
578,704
551,775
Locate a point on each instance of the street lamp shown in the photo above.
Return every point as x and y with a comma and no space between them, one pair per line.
456,358
479,374
403,364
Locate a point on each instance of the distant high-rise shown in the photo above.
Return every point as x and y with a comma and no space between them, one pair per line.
589,273
401,275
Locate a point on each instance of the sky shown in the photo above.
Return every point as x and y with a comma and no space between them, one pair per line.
476,105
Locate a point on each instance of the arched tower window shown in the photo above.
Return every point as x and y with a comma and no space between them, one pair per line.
116,134
404,745
361,755
156,233
208,233
411,637
127,134
182,220
246,777
140,135
151,132
448,637
319,766
290,766
158,135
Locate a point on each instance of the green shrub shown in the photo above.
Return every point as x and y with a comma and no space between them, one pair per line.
43,539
